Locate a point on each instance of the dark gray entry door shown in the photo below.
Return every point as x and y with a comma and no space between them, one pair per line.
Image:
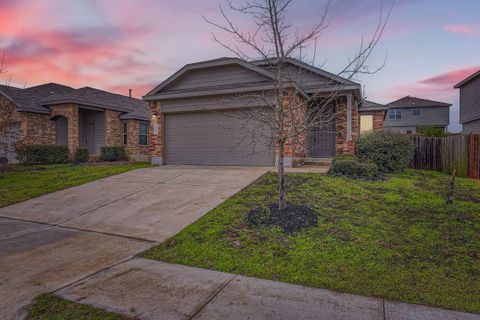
321,141
216,138
90,137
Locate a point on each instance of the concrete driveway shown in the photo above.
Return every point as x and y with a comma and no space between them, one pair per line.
55,240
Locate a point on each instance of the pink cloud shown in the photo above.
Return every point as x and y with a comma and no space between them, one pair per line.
450,78
463,28
435,87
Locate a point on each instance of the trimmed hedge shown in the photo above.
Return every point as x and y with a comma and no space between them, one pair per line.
390,151
42,154
113,154
352,167
81,155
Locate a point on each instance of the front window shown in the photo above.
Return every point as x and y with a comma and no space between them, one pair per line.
125,133
366,123
416,112
143,134
395,114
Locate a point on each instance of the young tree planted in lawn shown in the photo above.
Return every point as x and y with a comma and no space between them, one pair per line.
291,112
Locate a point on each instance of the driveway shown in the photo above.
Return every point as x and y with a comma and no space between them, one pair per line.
55,240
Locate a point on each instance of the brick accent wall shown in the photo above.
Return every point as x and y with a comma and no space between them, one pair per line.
156,140
342,144
69,111
113,129
378,119
296,147
133,147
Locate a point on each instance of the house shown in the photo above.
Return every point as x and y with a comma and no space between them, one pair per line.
372,116
408,113
470,103
197,114
79,118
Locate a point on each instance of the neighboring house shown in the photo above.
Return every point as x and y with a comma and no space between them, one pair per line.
470,103
372,116
408,113
196,114
79,118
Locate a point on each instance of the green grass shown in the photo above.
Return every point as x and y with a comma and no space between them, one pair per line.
29,182
51,307
395,239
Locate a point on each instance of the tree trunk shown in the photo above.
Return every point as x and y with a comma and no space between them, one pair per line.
282,185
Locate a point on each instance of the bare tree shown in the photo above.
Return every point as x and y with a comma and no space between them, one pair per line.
9,132
291,112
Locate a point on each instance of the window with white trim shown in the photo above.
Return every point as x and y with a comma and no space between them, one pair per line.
394,114
125,134
417,112
143,134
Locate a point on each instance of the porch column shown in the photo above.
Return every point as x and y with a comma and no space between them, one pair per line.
349,117
156,134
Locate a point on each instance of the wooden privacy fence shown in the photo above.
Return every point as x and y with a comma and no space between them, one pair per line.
443,154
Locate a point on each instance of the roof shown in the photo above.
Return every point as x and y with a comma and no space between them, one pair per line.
468,79
38,99
133,108
28,99
413,102
306,78
367,105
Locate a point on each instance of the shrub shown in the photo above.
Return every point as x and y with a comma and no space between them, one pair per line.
81,155
343,156
42,154
431,131
113,154
354,168
390,151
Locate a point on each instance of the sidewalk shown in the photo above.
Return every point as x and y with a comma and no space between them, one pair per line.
150,289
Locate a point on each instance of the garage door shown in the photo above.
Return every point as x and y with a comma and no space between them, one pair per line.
9,140
216,138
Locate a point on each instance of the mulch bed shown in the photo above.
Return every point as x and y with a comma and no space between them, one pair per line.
292,219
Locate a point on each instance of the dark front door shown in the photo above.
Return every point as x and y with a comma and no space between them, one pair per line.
90,137
321,140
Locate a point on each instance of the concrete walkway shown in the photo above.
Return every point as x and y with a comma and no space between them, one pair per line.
149,289
55,240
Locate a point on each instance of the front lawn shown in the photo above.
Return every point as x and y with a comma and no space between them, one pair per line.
51,307
29,182
395,239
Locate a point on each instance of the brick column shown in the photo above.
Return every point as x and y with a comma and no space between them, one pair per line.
113,130
156,134
296,147
378,118
69,111
347,132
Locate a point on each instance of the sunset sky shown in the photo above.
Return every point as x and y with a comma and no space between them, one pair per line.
118,44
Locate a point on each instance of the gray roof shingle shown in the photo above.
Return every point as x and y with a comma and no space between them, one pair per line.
371,106
39,98
413,102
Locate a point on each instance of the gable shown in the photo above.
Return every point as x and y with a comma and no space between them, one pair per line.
217,77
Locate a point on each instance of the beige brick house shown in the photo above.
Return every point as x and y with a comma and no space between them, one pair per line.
79,118
196,114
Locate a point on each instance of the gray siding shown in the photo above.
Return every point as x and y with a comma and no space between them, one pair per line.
470,101
216,138
215,102
216,77
472,127
97,117
432,116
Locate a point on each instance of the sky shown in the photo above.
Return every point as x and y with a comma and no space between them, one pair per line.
428,45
